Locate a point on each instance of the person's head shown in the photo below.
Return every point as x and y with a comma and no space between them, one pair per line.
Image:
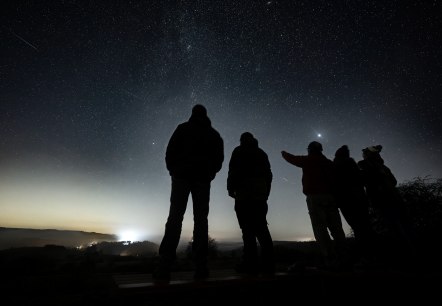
199,116
247,139
199,111
342,152
314,147
372,151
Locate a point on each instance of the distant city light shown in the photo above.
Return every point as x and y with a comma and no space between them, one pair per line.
129,235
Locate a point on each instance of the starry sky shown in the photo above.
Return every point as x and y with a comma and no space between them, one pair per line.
91,91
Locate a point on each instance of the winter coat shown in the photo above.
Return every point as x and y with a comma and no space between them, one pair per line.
317,172
250,175
379,181
195,151
348,178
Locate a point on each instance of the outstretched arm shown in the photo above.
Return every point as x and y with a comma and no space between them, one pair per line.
293,159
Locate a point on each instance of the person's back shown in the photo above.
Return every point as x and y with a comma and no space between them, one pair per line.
195,150
377,177
317,170
194,155
348,176
249,183
249,174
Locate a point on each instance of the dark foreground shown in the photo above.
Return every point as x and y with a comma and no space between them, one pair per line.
224,287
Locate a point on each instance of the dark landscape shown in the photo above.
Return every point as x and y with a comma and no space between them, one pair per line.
24,237
56,275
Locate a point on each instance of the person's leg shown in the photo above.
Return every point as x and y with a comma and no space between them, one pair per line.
264,238
350,210
334,224
347,207
201,198
167,251
178,203
250,248
318,219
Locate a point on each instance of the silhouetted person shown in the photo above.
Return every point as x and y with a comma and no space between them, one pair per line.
380,184
249,182
317,185
353,202
194,156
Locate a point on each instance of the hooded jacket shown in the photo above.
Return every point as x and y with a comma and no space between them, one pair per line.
195,151
250,175
378,179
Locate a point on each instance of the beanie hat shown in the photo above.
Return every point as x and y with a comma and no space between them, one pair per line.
373,149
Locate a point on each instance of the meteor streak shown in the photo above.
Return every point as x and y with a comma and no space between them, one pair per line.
25,41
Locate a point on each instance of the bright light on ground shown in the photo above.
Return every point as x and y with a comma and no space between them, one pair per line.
129,235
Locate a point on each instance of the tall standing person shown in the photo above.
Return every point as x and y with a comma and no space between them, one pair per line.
194,156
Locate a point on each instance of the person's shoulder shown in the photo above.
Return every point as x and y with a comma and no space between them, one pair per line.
259,149
323,157
182,125
386,168
179,130
215,133
259,152
237,150
329,162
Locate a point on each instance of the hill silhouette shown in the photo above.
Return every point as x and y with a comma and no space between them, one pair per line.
25,237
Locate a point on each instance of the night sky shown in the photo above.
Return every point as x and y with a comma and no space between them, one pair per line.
91,91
